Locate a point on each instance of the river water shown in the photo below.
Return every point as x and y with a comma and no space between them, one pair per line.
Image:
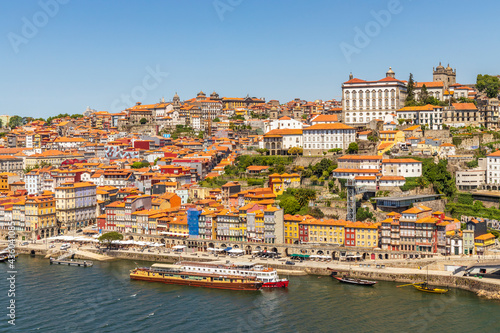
102,298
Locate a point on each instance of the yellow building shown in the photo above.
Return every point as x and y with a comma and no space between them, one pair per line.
392,136
7,178
40,214
482,242
280,183
325,232
291,224
366,234
179,225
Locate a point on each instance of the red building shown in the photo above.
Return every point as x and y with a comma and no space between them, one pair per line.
303,232
350,236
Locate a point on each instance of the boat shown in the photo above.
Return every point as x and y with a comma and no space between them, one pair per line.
428,289
354,281
424,286
175,274
268,276
5,255
350,280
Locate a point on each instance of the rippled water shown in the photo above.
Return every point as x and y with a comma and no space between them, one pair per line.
103,299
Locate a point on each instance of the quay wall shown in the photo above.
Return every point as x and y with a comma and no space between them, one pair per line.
482,287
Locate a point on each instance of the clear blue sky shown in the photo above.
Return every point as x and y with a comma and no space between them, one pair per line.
91,52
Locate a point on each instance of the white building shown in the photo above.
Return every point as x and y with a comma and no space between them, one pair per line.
434,89
68,143
320,138
364,101
493,168
196,123
406,167
429,115
283,123
391,181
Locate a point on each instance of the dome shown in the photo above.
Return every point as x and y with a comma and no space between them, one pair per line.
448,68
390,71
440,66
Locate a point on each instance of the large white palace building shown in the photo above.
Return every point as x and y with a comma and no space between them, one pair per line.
364,101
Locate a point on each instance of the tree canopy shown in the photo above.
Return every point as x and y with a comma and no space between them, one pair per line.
139,165
15,121
488,84
109,237
353,148
290,205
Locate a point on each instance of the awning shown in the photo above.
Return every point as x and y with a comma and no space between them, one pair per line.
300,255
236,251
179,247
227,249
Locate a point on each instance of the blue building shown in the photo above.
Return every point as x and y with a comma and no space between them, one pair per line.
193,216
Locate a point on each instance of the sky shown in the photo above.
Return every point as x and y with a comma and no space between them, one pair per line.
60,56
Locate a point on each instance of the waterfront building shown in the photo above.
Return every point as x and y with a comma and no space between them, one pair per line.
41,216
291,225
76,205
483,242
323,231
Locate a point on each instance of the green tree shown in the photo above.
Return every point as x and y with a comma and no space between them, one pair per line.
216,120
15,121
353,148
316,213
424,94
139,165
488,84
421,182
410,91
295,151
363,214
290,205
1,123
262,151
143,121
109,237
374,138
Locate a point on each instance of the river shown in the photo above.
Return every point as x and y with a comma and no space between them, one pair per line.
102,298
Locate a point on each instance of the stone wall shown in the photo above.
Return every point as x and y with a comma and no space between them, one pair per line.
438,134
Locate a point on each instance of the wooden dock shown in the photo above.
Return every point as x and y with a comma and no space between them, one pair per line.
63,260
80,263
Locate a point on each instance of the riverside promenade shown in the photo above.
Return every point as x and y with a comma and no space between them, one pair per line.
404,271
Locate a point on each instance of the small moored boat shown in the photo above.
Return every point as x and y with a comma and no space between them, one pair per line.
355,281
428,289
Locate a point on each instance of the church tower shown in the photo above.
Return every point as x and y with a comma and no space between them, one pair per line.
446,75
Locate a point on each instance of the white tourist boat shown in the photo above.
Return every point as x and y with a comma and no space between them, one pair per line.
268,276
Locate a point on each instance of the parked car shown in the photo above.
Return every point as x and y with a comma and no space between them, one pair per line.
79,230
290,263
24,243
52,246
